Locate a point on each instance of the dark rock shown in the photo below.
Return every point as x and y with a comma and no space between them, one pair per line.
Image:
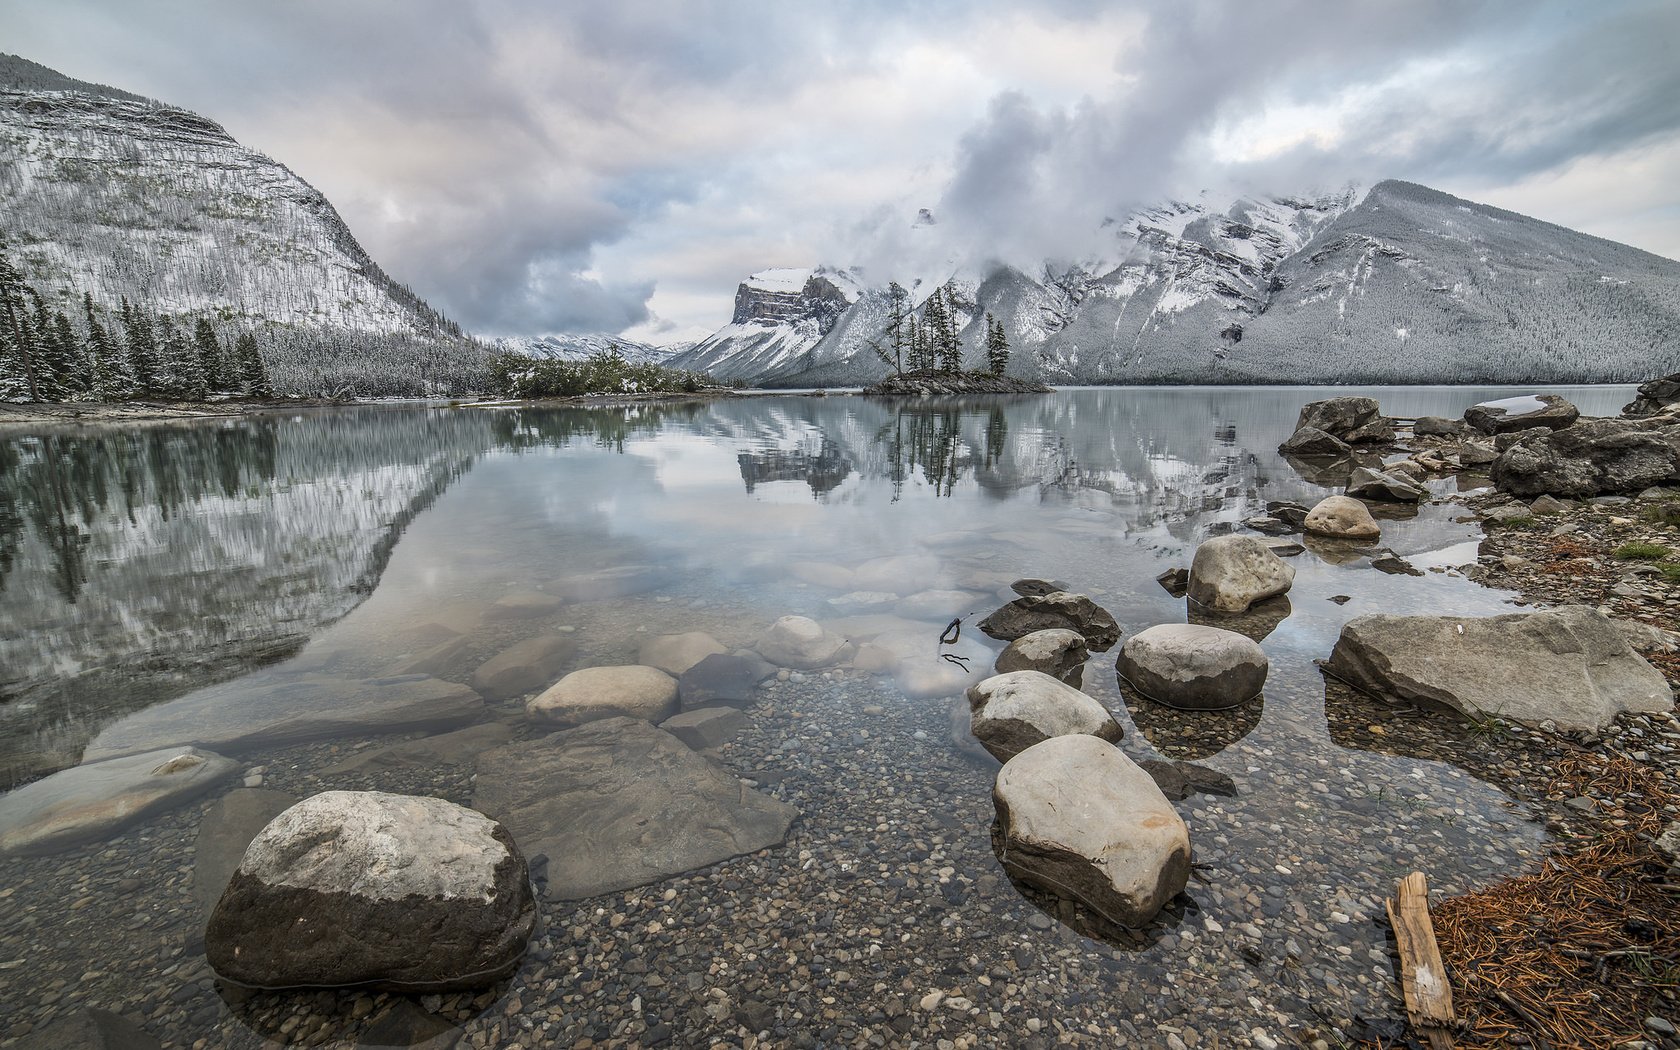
1391,486
1394,565
397,892
1267,525
1540,411
1593,457
1352,419
619,803
706,727
1180,780
1287,510
1058,609
719,679
1439,426
1175,582
1654,396
1031,588
1311,442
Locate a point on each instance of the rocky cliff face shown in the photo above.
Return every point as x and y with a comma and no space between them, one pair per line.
780,315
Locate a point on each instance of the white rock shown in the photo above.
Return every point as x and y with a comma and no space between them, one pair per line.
1230,573
1011,712
606,692
799,641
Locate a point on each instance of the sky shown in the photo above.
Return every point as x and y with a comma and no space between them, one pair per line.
540,168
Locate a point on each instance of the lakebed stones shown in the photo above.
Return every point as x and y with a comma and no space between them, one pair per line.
800,642
1057,652
523,605
1080,820
1342,517
1392,486
1522,413
398,892
223,835
1013,711
620,803
1593,457
1568,665
1230,573
620,581
524,667
89,1029
592,693
1056,610
274,710
1192,667
721,678
676,653
95,801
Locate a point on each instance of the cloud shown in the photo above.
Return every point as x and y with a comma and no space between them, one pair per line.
532,167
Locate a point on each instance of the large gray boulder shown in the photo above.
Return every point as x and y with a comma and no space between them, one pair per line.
1058,652
620,803
1056,610
1528,412
1591,458
1230,573
524,667
275,710
1655,395
95,801
1080,820
1355,420
593,693
1568,665
397,892
1011,712
1193,667
1343,518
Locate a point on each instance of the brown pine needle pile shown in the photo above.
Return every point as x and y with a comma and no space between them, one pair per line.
1578,954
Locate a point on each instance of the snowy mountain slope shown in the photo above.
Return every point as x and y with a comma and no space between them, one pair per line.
780,316
105,192
1408,285
580,347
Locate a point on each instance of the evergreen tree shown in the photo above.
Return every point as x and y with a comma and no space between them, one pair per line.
209,355
253,377
112,378
18,372
898,312
997,346
948,347
918,349
78,381
180,372
142,348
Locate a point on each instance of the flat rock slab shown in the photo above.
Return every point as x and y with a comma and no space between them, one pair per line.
94,801
396,892
460,747
706,727
442,658
525,667
1570,665
620,803
676,653
720,679
273,711
226,830
618,582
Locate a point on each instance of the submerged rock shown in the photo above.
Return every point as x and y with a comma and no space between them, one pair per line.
705,727
1180,780
1056,610
523,605
398,892
1342,517
676,653
721,678
224,833
524,667
1230,573
1568,665
1080,820
1192,667
458,747
800,642
1057,652
95,801
594,693
1013,711
89,1028
621,803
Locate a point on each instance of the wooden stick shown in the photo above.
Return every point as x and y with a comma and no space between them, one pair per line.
1423,977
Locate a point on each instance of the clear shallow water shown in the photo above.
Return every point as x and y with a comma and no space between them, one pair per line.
138,565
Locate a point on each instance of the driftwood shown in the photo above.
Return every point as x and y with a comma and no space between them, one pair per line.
1423,977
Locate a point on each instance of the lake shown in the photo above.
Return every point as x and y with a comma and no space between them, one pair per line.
152,574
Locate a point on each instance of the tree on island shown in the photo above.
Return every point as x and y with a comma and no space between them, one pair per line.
997,346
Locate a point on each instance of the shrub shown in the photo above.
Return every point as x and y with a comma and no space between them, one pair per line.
605,373
1640,552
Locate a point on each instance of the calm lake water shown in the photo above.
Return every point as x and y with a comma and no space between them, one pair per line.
139,565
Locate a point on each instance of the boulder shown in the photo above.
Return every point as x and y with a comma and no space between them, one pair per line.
1527,412
395,892
89,1028
593,693
706,727
1655,395
676,653
1439,426
621,803
1568,665
91,802
1593,457
524,667
1192,667
1011,712
1353,419
1390,486
721,678
1230,573
224,833
271,710
1036,588
1079,820
1056,610
1477,453
1342,517
800,642
523,605
1057,652
1314,443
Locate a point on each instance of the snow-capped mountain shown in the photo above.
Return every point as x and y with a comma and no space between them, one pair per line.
106,192
780,316
1406,285
580,347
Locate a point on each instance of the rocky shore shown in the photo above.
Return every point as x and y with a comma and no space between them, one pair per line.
941,384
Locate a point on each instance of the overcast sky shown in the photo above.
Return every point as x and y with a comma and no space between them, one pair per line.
535,167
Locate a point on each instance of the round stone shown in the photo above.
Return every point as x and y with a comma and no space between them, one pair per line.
1342,517
593,693
1193,667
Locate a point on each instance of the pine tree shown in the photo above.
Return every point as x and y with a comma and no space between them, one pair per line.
948,347
17,366
78,370
112,378
933,324
209,355
898,312
142,348
997,346
253,377
180,372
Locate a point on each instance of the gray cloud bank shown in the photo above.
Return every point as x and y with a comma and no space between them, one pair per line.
537,168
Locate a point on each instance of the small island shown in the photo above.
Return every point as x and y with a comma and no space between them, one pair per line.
932,350
937,384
